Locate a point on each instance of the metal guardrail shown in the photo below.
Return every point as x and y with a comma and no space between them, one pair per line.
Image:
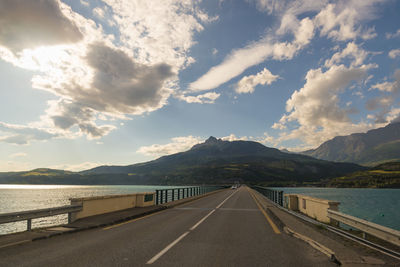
33,214
275,196
382,232
172,194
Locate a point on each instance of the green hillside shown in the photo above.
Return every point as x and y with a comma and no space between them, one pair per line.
385,175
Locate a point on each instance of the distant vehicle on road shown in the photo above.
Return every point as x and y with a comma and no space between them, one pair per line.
233,187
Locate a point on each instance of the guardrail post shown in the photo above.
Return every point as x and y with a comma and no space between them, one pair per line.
281,198
173,194
29,224
166,196
157,195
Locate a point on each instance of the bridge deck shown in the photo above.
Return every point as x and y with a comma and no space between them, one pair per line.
224,229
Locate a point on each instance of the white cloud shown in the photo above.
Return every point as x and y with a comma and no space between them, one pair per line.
233,137
315,108
248,83
28,24
383,103
393,115
392,87
18,155
180,144
177,144
158,31
22,135
268,47
393,35
207,98
91,72
99,12
341,21
215,51
239,60
270,6
394,53
85,3
288,6
358,55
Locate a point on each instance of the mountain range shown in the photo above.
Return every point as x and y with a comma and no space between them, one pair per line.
218,161
369,149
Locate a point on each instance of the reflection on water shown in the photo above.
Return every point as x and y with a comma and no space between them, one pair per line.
376,205
380,206
30,197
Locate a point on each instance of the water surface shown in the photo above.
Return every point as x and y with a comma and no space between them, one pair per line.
381,206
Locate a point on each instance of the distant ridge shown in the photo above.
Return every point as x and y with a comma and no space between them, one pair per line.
214,161
370,148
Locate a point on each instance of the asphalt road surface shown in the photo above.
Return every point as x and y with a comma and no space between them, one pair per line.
223,229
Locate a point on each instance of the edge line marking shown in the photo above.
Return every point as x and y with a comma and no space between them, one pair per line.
273,225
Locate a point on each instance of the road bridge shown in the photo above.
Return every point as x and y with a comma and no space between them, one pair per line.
228,228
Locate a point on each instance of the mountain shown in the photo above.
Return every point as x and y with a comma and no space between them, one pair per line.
218,161
370,148
214,161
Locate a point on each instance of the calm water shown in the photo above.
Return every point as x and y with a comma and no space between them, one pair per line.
29,197
381,206
377,205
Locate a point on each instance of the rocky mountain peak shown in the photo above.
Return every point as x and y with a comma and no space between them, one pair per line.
212,140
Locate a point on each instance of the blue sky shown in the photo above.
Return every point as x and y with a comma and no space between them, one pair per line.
85,83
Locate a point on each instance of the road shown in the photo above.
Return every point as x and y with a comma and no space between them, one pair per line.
224,229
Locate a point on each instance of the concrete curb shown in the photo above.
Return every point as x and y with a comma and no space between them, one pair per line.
326,251
45,235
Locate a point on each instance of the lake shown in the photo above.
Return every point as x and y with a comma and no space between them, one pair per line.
381,206
29,197
376,205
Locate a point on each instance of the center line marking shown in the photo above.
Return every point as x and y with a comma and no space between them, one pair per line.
202,220
162,252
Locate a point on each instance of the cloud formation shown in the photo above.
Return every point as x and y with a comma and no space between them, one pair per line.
207,98
339,21
22,135
94,74
28,24
248,83
316,109
177,144
394,53
352,52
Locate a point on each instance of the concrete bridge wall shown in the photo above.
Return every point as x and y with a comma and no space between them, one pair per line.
104,204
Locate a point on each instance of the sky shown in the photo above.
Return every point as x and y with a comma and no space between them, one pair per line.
115,82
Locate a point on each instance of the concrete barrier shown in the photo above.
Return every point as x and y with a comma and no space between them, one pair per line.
105,204
313,207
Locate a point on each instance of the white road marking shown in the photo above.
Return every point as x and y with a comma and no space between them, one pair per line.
202,220
162,252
